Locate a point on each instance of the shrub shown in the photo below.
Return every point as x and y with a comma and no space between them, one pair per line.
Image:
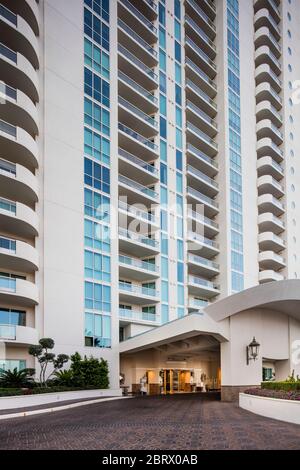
268,393
63,377
8,392
16,378
284,385
89,371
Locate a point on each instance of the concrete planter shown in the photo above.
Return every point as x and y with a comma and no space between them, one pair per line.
23,401
276,408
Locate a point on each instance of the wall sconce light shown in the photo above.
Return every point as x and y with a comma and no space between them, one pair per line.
252,351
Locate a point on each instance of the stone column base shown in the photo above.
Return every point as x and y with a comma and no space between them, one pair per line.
231,392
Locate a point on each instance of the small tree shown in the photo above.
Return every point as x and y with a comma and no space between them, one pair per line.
44,357
16,378
89,372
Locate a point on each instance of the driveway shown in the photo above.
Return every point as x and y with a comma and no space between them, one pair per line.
192,421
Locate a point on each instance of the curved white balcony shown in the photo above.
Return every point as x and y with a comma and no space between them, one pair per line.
136,44
16,335
200,98
271,5
264,91
201,140
264,37
197,178
200,245
270,260
137,269
199,37
137,244
269,276
18,109
268,222
200,119
202,287
200,78
134,167
127,316
200,160
137,294
28,9
264,73
18,292
137,21
201,266
264,55
195,304
266,128
196,54
136,119
204,20
269,203
18,146
268,185
207,226
148,8
18,72
17,182
266,147
18,35
18,219
134,143
263,18
136,192
134,92
19,256
268,166
136,211
133,67
265,110
211,207
268,241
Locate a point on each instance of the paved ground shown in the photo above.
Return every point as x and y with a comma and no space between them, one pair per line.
167,423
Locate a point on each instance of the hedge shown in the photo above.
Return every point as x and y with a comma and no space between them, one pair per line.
9,392
287,386
280,394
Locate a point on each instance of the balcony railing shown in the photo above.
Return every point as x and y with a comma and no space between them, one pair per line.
7,168
202,197
138,263
201,93
7,284
137,87
8,91
137,62
137,289
277,149
139,15
199,51
200,72
136,237
202,176
138,112
8,15
137,38
136,212
136,161
203,240
201,113
197,303
203,261
8,206
140,138
202,14
8,244
201,155
138,187
8,332
201,134
202,219
138,316
8,53
203,282
8,129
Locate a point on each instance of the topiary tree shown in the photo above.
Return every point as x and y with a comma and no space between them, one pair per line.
44,357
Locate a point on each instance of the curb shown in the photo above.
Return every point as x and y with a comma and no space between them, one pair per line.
57,408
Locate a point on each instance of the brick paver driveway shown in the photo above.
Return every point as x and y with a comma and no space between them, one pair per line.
167,423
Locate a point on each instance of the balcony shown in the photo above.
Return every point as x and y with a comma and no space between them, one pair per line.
211,207
200,99
136,244
196,177
137,21
264,55
18,72
264,91
271,5
202,161
263,18
137,269
136,192
197,243
18,292
147,7
269,276
136,316
18,35
202,287
270,260
18,146
18,219
267,166
136,44
132,166
200,58
203,224
27,9
136,212
200,119
134,68
269,203
17,109
264,73
196,304
267,184
16,335
19,256
137,294
202,266
202,141
265,110
199,78
269,242
266,147
134,92
263,37
135,118
133,142
266,128
268,222
18,182
200,38
193,10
